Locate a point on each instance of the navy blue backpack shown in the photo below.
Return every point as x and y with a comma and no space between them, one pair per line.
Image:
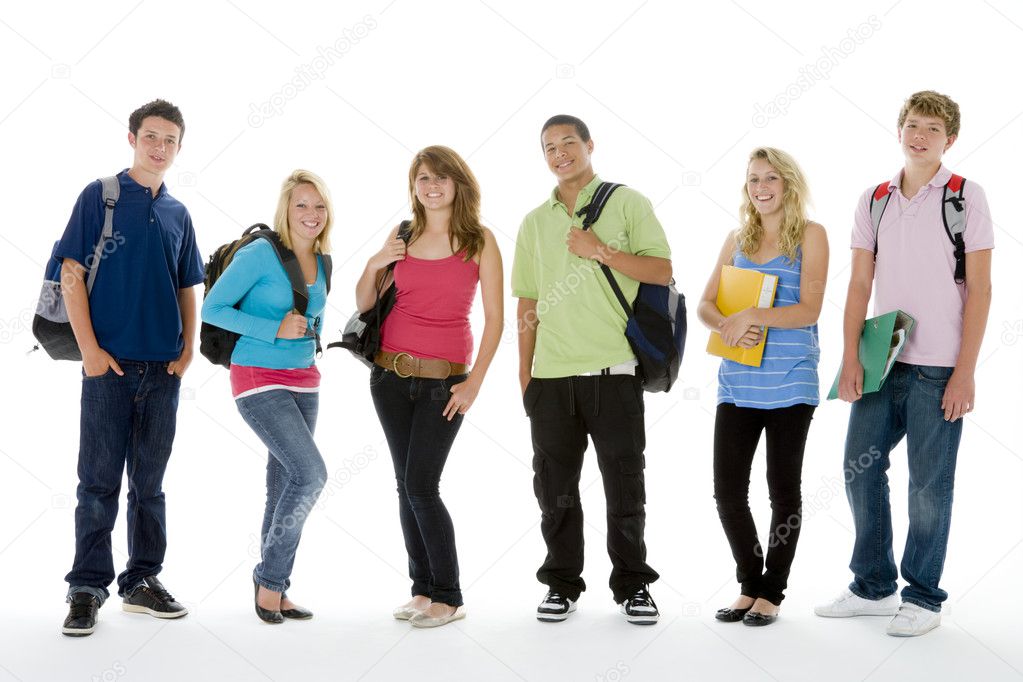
656,327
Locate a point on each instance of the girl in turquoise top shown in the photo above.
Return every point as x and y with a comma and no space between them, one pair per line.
779,396
274,379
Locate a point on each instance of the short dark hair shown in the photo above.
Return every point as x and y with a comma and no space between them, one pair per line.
566,120
158,107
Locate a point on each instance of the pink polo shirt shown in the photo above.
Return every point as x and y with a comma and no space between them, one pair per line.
916,263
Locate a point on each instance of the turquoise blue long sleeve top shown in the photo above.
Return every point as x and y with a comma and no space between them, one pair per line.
255,281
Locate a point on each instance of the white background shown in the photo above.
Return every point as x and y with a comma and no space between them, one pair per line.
669,90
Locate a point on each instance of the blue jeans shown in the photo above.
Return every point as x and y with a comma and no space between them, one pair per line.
909,404
295,476
125,420
419,437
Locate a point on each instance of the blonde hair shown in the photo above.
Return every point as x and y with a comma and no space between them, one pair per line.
465,230
931,103
794,199
303,177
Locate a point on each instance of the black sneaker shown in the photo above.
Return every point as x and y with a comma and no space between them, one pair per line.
640,608
554,608
81,618
149,596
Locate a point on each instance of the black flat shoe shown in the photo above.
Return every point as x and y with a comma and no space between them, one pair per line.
297,613
730,615
758,619
266,615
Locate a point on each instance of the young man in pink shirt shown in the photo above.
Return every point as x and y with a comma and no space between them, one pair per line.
911,262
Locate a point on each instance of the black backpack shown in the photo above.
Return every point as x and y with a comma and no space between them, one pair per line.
217,344
361,335
656,327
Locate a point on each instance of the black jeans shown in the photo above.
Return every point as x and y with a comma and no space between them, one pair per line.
562,413
736,434
419,437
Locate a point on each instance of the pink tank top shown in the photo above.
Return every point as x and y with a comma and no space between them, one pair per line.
430,318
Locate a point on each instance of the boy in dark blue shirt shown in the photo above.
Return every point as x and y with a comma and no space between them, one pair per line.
135,331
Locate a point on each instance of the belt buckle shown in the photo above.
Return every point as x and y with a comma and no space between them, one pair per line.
394,365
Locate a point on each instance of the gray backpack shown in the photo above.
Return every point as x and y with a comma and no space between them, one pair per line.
50,325
953,214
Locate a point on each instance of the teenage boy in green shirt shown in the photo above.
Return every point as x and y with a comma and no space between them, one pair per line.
578,373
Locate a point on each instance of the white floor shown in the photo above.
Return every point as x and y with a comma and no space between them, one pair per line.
218,642
350,567
352,636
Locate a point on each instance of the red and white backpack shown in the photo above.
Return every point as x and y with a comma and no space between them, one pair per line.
953,214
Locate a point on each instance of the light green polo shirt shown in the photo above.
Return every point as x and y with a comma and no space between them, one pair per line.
581,323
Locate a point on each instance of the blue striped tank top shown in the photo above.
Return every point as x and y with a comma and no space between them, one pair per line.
788,374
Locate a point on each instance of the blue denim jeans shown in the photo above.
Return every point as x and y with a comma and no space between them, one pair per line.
125,421
909,404
295,476
419,437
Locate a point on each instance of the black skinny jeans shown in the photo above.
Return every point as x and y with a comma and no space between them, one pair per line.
562,412
419,437
736,434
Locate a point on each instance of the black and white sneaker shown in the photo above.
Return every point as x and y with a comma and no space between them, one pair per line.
554,608
640,608
149,596
81,618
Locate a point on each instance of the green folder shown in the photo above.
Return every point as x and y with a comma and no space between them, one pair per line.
882,341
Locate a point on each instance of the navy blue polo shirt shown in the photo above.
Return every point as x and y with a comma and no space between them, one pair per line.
134,302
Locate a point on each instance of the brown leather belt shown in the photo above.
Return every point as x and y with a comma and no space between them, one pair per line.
405,366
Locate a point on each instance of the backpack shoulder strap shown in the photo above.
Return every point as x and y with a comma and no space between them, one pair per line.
404,233
328,267
405,230
111,193
299,290
953,206
591,213
878,203
953,215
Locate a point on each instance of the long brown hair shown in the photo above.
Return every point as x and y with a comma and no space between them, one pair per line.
465,232
794,200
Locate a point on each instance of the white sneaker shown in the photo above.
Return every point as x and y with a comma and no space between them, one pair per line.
848,604
913,620
640,608
554,608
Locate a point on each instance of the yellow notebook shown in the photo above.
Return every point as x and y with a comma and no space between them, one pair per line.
738,289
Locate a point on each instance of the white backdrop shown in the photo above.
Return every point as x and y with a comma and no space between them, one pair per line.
675,94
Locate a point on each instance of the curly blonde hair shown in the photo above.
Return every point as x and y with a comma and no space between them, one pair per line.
931,103
794,200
